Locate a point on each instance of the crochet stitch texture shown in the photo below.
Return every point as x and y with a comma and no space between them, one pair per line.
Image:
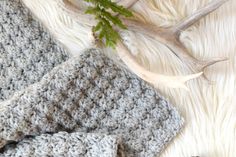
85,106
91,94
68,145
27,50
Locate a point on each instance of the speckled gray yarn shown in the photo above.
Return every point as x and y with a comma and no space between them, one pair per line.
91,94
27,50
67,145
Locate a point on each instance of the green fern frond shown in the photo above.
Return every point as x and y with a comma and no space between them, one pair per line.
104,11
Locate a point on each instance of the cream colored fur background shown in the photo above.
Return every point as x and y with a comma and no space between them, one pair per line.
209,109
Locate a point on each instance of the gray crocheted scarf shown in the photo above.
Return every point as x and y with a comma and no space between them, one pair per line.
54,105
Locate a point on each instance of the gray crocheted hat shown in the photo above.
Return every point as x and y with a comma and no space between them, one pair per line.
102,109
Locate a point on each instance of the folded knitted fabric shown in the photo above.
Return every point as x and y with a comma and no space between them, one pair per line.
103,109
91,94
68,145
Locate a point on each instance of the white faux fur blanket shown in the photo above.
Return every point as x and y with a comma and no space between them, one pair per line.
209,109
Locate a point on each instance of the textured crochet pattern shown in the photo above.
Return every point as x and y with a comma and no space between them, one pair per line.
68,145
87,106
91,94
27,50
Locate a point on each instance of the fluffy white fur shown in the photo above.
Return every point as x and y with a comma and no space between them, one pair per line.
209,109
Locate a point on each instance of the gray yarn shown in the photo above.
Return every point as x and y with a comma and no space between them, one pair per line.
103,106
91,94
68,145
27,50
